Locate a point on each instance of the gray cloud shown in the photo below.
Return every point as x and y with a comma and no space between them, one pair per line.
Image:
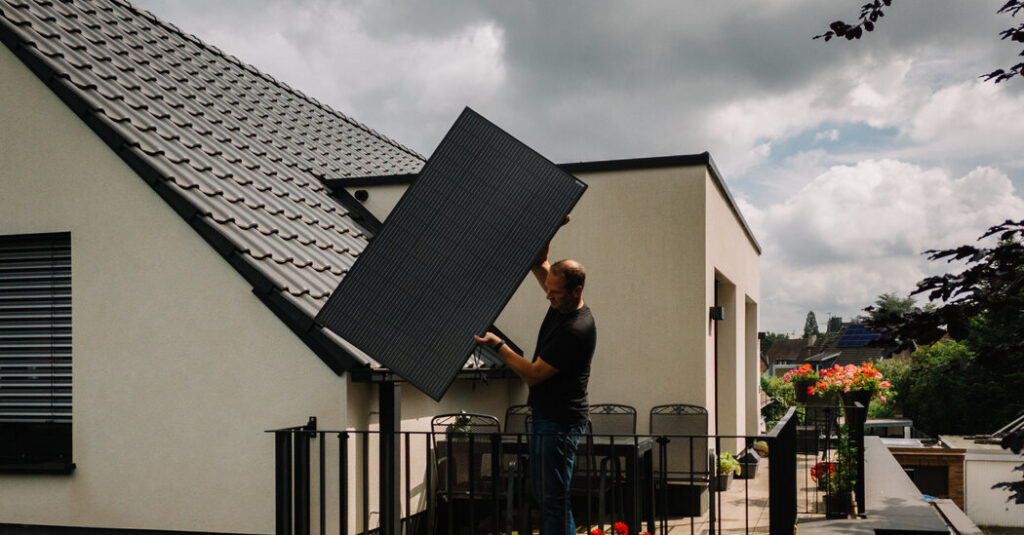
597,79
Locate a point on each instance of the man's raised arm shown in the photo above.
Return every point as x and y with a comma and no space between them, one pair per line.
541,267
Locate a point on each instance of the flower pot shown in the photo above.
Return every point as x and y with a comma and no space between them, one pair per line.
722,482
838,505
748,465
800,385
862,396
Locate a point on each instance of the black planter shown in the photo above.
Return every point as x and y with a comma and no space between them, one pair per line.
721,482
863,396
838,505
748,465
800,385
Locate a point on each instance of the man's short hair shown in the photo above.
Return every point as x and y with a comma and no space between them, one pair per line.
571,271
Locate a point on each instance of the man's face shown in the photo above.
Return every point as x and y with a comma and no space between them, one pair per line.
561,300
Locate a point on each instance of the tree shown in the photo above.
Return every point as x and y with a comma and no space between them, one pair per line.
811,325
972,383
872,11
889,305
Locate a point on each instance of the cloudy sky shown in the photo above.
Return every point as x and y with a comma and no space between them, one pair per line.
847,159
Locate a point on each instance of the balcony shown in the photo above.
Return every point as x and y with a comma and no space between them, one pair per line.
354,481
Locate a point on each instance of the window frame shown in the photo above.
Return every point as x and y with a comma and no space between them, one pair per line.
35,354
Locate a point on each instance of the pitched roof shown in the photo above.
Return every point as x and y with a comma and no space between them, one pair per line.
788,349
854,344
238,154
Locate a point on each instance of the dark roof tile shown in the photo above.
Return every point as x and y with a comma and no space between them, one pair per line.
215,137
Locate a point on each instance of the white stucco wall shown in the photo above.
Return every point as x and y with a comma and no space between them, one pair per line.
177,367
653,241
733,259
987,506
380,199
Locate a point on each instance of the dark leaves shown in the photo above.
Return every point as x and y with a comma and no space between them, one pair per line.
872,11
1012,7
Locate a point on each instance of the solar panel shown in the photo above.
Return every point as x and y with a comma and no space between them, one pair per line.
451,253
857,336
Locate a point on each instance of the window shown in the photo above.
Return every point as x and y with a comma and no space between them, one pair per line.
35,353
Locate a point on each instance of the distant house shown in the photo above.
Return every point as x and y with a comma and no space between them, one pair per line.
785,354
852,343
171,221
844,343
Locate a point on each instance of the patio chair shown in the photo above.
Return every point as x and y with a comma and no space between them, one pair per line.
517,418
603,475
466,484
517,426
613,419
821,425
681,465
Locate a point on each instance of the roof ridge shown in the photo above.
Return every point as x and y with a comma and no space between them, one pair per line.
149,16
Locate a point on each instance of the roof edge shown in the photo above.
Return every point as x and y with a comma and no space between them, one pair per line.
659,162
655,162
337,358
382,180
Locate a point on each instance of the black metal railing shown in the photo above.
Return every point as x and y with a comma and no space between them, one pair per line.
824,431
627,478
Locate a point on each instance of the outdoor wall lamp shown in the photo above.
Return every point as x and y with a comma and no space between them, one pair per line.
716,313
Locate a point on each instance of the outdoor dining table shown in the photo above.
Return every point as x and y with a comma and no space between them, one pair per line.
636,451
638,484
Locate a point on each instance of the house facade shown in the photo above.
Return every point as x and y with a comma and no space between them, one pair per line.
663,242
192,193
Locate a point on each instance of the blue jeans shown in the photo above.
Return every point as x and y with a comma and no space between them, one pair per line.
552,455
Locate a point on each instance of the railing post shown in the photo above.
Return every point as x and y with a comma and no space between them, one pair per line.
782,475
390,458
343,482
857,431
283,482
302,482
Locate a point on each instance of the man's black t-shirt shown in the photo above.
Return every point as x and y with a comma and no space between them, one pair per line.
566,342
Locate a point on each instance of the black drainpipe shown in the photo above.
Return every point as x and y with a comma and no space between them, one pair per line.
390,476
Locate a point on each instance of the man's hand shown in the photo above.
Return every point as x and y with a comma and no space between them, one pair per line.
530,372
490,339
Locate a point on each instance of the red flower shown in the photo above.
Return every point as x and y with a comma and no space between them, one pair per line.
621,528
821,469
596,531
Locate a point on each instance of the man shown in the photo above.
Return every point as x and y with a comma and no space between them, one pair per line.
557,378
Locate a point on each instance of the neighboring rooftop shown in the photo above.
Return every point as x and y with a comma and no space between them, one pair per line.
853,343
789,350
239,155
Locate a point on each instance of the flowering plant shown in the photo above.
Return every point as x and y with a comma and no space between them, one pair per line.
803,377
618,528
822,469
803,372
850,378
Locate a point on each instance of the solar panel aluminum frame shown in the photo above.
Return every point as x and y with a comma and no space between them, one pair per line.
451,254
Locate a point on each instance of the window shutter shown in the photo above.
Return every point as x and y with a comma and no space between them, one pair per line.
35,328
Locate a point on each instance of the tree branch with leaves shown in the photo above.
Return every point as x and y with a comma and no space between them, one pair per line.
872,11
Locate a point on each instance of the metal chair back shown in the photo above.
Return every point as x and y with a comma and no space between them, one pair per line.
685,428
613,419
517,418
462,452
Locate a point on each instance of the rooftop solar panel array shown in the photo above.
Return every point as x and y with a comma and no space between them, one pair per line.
451,254
857,336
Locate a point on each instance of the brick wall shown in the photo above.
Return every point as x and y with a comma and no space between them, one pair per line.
949,458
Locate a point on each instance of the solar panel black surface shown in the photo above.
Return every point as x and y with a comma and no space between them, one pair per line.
451,254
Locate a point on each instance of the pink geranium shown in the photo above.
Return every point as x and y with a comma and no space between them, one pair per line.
852,378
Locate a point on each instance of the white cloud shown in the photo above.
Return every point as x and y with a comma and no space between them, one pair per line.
855,232
827,135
